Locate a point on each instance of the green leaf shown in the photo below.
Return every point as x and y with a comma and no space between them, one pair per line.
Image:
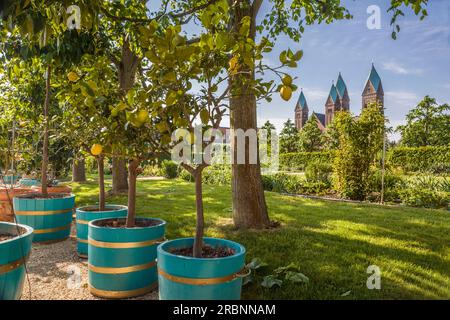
270,281
296,277
291,266
255,264
204,116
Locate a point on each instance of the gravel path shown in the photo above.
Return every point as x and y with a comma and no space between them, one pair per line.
56,273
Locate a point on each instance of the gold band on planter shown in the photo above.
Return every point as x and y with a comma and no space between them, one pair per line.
82,240
5,268
42,231
82,221
124,245
199,281
42,213
122,294
121,270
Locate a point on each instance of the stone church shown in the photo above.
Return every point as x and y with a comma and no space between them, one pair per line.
338,100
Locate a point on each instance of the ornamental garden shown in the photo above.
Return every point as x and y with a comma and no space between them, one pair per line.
96,97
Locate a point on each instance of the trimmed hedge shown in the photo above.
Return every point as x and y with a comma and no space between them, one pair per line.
422,159
299,161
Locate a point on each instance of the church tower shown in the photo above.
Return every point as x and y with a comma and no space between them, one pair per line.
332,105
301,112
373,91
341,88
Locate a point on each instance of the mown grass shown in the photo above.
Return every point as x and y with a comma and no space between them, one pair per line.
332,242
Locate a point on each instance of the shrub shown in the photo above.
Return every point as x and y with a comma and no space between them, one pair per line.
169,169
422,159
294,184
217,175
299,161
420,197
319,172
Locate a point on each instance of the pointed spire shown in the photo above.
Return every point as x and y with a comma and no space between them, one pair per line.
341,86
302,100
333,92
374,78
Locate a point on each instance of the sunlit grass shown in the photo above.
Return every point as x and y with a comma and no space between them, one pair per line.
332,242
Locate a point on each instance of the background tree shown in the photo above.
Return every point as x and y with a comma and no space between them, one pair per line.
360,140
289,138
427,125
310,137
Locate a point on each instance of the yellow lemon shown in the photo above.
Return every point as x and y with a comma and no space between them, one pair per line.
286,93
72,76
234,64
97,149
142,116
287,80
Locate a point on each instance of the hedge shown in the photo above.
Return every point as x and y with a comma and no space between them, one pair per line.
299,161
422,159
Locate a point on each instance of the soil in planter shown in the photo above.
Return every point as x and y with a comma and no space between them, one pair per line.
41,196
97,209
207,252
121,223
8,236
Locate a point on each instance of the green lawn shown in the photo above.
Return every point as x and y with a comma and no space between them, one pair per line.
332,242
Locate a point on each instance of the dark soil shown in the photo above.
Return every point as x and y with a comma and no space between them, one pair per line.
41,196
121,223
96,209
207,252
5,237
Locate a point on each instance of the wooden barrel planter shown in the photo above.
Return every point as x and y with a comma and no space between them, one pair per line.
85,215
50,218
188,278
122,261
6,197
13,254
27,182
11,179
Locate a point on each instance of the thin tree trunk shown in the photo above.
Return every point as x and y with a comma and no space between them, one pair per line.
79,170
119,176
200,224
46,135
132,177
249,203
101,183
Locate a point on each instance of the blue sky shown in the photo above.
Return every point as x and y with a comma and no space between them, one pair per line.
416,64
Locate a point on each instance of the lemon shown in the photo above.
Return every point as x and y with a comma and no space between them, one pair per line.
72,76
286,93
142,116
287,80
97,149
234,63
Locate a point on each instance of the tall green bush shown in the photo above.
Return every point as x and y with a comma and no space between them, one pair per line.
300,160
359,141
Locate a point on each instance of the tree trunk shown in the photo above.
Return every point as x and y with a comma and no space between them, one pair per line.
249,203
79,170
119,176
46,135
200,222
132,177
101,183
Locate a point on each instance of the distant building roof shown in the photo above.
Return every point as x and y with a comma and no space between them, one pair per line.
333,93
374,78
302,100
341,86
320,117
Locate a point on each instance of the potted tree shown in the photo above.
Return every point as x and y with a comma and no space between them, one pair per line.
44,42
86,102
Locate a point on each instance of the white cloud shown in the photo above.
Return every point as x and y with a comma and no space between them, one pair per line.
402,97
399,69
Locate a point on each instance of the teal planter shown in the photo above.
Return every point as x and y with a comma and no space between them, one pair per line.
122,262
50,218
13,254
187,278
26,182
85,215
11,179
